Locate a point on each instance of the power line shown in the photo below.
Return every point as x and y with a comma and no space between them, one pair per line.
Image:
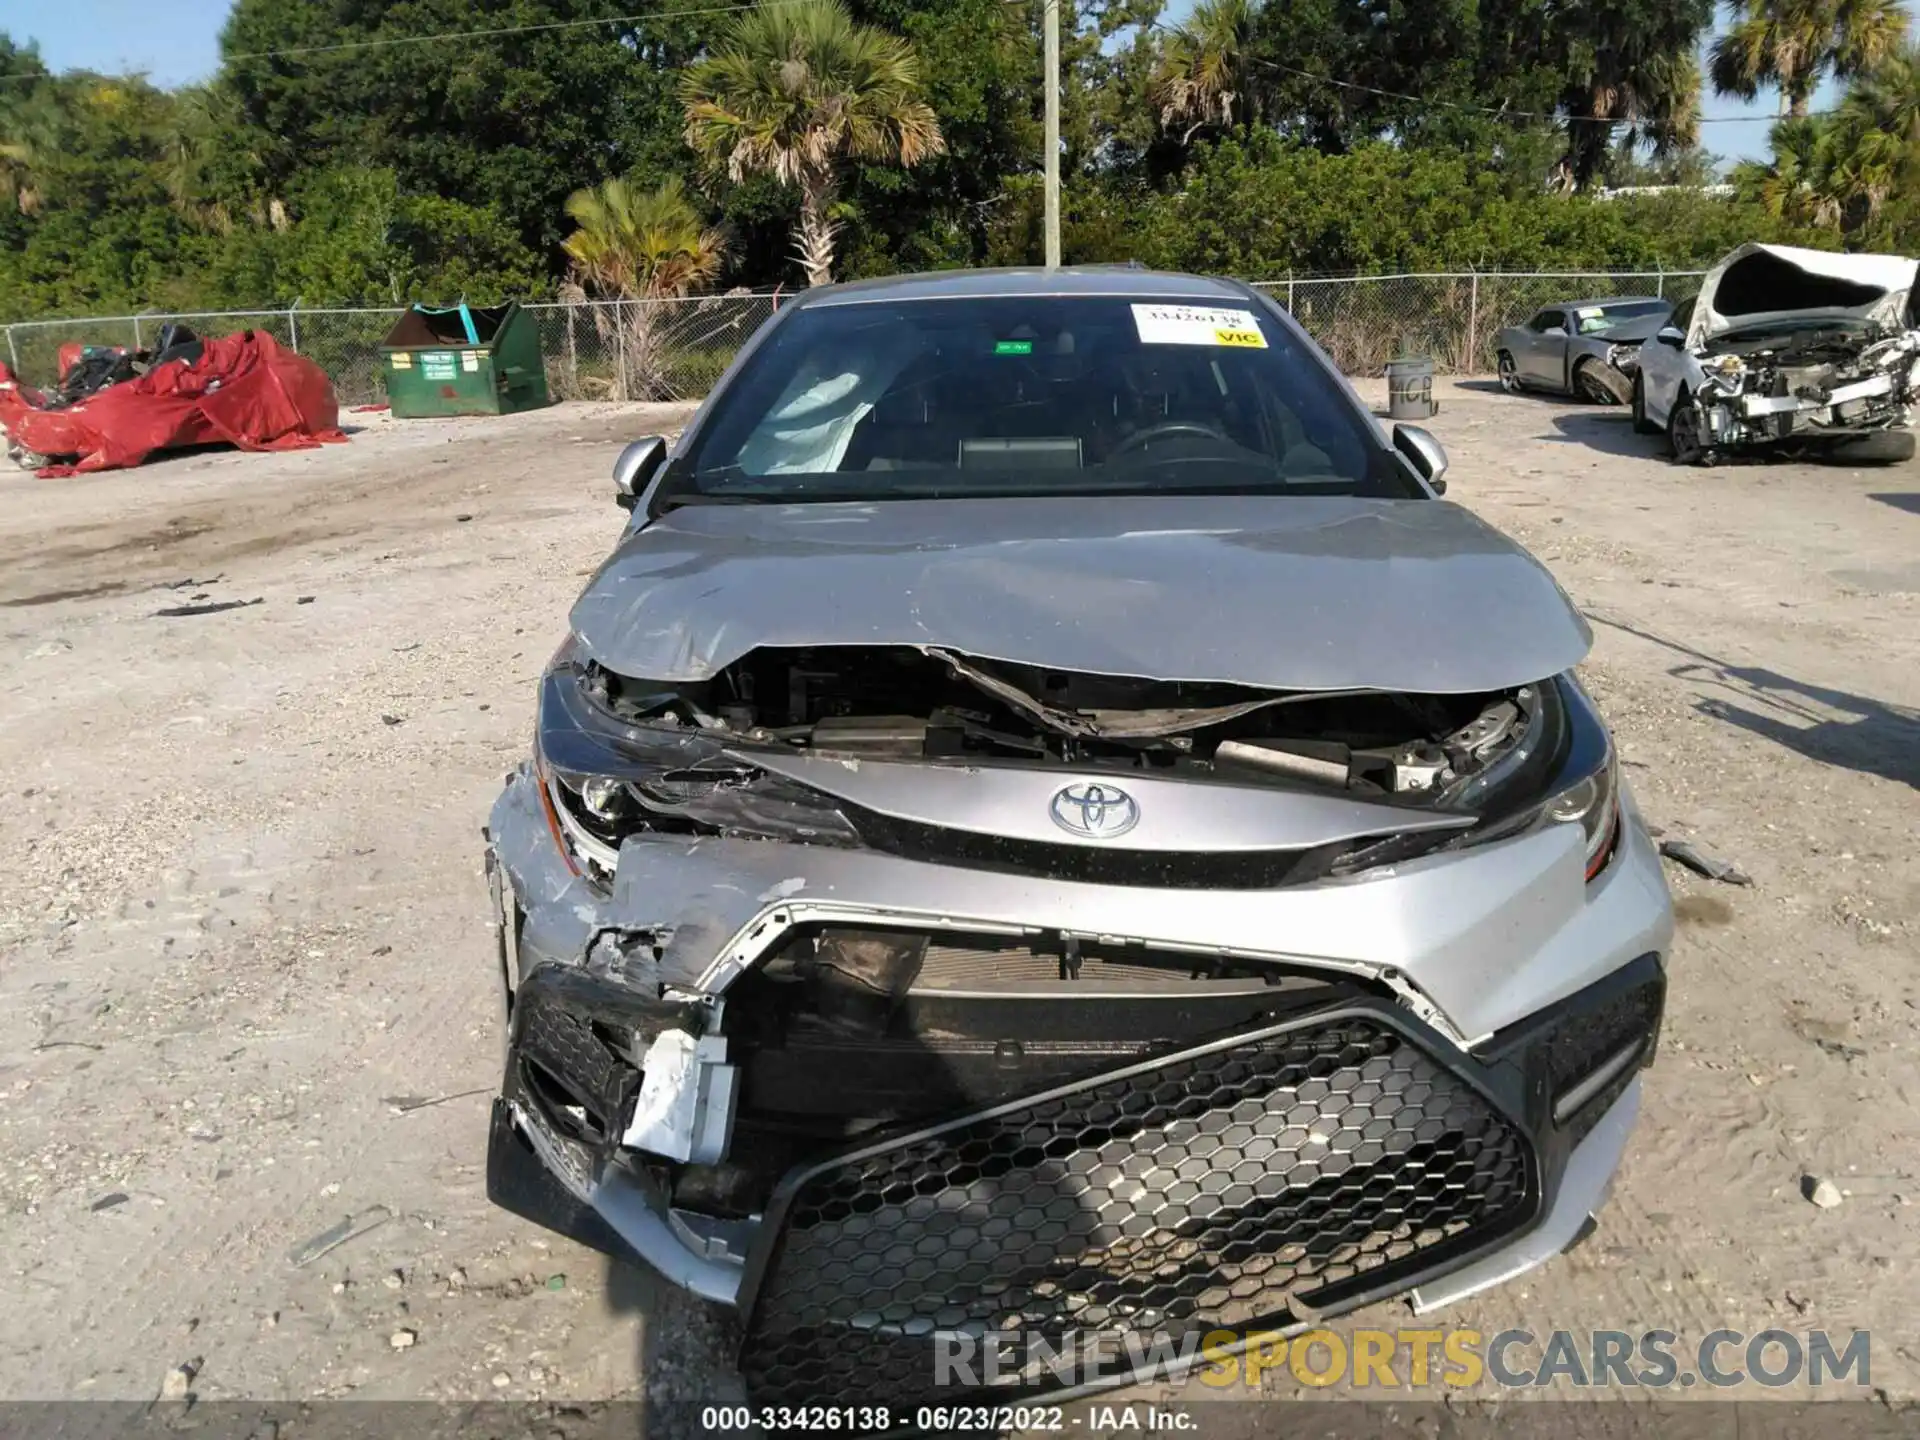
1431,103
477,34
388,41
1504,114
391,40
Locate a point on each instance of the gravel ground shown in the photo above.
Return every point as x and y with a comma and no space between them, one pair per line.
246,965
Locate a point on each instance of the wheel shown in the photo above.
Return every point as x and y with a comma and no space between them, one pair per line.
1594,387
1683,432
1641,425
1509,374
1888,447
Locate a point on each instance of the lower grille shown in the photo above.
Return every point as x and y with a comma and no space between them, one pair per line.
570,1067
1620,1014
1312,1163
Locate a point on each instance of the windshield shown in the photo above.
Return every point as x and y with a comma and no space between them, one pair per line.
1032,395
1601,318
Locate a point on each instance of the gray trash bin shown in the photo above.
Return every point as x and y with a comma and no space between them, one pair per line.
1410,389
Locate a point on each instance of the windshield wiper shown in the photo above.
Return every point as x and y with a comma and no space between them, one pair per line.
707,497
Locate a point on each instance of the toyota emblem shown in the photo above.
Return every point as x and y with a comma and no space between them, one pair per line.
1094,811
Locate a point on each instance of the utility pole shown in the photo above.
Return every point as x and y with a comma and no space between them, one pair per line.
1053,133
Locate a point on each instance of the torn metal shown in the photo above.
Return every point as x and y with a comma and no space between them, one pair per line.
941,915
1804,387
1800,347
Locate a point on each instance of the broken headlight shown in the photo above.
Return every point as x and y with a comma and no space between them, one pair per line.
1624,358
1581,783
1729,370
604,776
1557,770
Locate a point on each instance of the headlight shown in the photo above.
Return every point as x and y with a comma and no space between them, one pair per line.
1579,784
604,777
1624,358
1561,771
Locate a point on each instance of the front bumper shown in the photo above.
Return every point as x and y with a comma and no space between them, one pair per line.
1412,1134
1748,418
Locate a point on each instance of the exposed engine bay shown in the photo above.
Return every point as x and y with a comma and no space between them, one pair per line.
622,756
1782,383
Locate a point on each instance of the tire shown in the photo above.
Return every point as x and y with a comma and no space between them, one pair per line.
1590,386
1682,426
1641,424
1888,447
1509,374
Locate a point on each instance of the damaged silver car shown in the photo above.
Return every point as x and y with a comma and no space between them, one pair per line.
1047,824
1787,349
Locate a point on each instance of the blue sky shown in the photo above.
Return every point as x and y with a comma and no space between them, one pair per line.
176,41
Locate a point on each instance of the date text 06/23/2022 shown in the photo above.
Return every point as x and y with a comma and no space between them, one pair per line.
933,1419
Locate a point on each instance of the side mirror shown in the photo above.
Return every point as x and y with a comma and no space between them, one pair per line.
635,467
1426,454
1559,330
1671,337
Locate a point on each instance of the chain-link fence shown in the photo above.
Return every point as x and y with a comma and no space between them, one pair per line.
1364,321
676,349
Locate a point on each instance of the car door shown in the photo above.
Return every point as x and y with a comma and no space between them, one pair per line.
1544,361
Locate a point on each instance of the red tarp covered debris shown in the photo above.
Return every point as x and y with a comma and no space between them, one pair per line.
244,390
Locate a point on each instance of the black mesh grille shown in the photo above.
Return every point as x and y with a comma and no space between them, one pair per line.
1092,865
1182,1196
570,1068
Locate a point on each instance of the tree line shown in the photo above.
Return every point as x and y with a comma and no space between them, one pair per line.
349,152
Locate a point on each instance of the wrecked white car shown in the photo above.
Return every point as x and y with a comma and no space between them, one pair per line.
1787,348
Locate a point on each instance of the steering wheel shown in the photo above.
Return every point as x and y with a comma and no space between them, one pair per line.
1167,429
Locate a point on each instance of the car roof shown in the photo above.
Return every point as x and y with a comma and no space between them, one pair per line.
1608,300
1072,280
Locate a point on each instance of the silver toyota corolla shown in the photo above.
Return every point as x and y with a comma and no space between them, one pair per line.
1047,823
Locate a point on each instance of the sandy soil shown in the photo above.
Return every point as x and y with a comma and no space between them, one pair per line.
245,955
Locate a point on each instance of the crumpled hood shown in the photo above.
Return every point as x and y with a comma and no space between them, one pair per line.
1296,593
1760,283
1629,332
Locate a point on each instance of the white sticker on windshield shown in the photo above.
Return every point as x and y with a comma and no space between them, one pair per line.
1197,325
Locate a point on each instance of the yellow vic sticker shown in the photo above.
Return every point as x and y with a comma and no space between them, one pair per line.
1251,339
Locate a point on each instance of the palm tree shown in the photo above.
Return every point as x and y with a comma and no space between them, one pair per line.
1791,44
794,88
201,119
1201,79
1887,98
1796,186
1654,93
634,244
1874,139
31,121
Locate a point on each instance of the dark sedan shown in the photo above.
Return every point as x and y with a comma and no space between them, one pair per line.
1584,347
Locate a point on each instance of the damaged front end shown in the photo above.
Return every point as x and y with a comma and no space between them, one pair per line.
887,993
1799,348
1825,385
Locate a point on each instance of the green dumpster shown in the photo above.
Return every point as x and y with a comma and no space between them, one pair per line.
464,360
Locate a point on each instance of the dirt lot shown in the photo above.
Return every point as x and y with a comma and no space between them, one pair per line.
245,958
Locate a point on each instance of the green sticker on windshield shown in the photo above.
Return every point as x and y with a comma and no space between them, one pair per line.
1013,347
